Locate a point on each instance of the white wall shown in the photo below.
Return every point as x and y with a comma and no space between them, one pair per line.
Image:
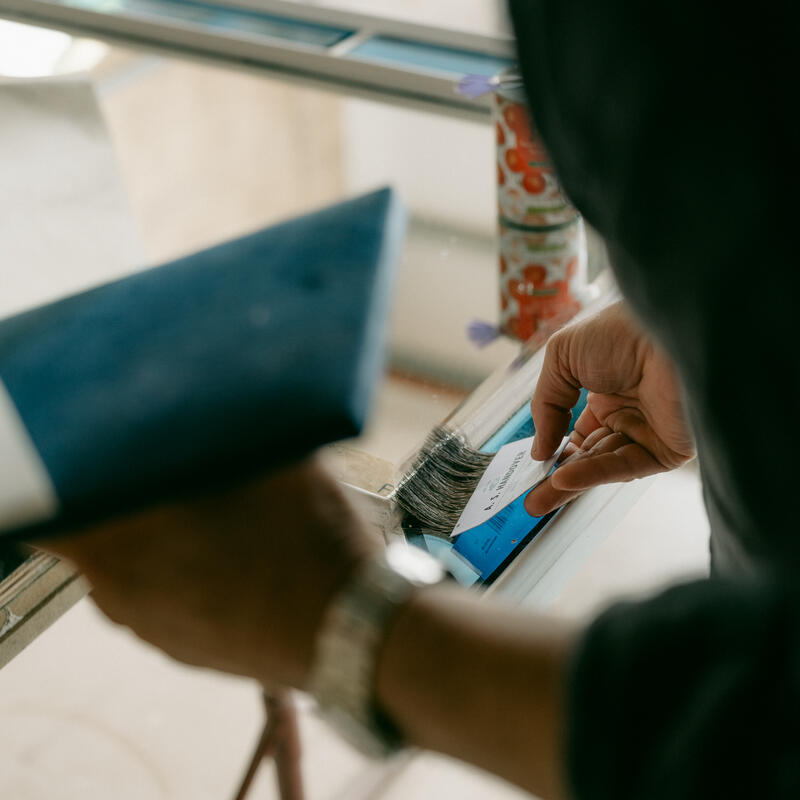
445,171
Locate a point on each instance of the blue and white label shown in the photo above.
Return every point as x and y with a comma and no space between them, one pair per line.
511,474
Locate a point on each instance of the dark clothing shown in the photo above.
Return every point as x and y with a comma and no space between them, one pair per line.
691,696
673,129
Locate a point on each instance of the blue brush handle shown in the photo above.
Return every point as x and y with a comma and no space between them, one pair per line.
228,362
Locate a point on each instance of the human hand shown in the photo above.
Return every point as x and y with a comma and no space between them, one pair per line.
634,422
237,580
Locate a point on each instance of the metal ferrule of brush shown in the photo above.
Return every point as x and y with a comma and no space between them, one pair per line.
442,478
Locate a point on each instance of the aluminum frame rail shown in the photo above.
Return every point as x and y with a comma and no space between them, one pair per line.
386,59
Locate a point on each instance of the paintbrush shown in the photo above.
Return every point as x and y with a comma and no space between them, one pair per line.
440,482
441,476
178,379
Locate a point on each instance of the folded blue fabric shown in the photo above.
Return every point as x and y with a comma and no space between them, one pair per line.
228,362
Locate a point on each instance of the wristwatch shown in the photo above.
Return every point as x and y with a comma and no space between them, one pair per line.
353,629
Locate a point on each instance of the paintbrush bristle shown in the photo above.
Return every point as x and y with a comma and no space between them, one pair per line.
443,477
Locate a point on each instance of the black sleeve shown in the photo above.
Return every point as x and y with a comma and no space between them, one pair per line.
692,695
673,127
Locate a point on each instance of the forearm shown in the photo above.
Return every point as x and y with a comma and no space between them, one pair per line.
481,682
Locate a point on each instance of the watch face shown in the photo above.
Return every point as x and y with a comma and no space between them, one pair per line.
414,564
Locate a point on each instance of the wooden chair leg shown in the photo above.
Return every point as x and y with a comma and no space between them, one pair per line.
279,740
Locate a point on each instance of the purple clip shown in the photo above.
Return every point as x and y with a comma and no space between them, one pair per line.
481,333
474,86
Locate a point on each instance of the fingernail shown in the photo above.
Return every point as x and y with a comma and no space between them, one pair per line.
530,506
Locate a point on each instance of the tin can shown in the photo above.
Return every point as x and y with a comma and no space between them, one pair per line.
541,234
541,273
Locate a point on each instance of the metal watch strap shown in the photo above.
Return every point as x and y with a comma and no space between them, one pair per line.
354,627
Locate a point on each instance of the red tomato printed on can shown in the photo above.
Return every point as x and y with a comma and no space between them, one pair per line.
542,238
